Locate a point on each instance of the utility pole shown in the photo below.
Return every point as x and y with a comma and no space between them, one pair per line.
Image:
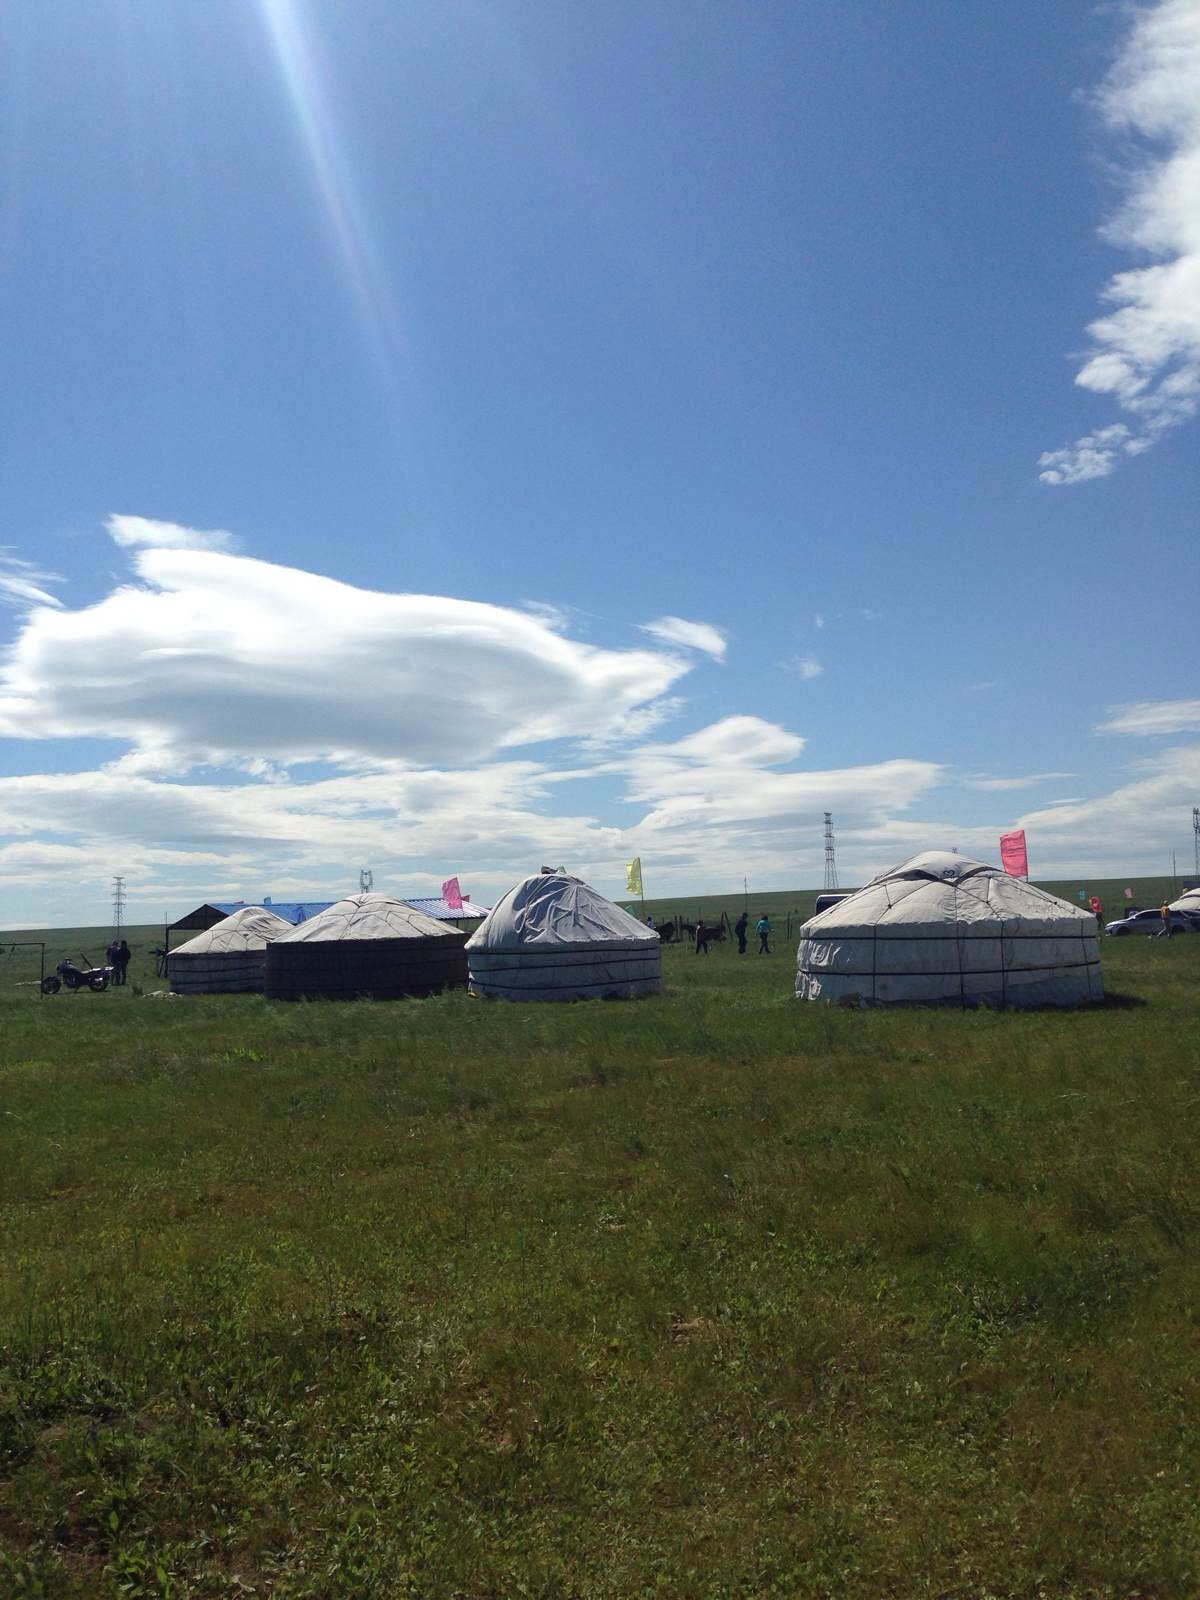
831,877
118,904
1196,838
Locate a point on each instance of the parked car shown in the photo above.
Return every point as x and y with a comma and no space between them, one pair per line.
824,901
1149,922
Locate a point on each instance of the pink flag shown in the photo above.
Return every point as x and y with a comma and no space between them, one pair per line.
1127,892
452,894
1013,856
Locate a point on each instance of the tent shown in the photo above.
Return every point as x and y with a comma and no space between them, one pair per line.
1189,904
228,958
554,938
941,929
368,945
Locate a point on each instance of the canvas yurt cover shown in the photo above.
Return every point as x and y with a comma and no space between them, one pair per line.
941,929
228,958
368,945
554,938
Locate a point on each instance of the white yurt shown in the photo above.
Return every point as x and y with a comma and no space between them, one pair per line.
941,929
1188,903
228,958
554,938
366,946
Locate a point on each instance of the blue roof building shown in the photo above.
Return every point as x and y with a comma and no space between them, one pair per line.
435,906
293,911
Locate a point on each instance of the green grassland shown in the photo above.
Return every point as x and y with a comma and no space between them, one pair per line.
713,1294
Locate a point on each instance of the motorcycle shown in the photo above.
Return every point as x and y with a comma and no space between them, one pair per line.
76,978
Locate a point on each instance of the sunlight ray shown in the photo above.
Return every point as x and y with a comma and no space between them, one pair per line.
310,93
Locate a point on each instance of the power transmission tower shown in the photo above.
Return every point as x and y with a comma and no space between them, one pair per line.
366,880
831,879
118,904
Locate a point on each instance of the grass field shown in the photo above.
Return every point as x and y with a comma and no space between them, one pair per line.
709,1295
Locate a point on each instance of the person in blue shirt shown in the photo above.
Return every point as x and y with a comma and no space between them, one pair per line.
763,929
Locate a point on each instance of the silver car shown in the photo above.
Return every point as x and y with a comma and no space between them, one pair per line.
1150,922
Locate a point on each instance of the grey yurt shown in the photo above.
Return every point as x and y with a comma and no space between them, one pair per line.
366,946
941,929
228,958
554,938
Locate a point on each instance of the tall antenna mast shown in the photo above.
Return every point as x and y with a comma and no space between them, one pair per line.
1196,837
831,879
118,904
366,880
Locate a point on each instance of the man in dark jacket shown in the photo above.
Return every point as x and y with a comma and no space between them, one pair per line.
739,928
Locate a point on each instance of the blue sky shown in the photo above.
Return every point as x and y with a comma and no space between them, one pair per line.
864,339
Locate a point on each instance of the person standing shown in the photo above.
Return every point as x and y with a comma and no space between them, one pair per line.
763,929
739,929
121,963
702,937
1164,912
112,958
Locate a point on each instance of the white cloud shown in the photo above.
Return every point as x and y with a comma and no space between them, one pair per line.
21,582
1154,716
717,799
805,666
818,621
726,800
1145,352
556,617
1096,455
1131,830
705,808
1028,781
415,705
17,589
135,532
693,635
219,659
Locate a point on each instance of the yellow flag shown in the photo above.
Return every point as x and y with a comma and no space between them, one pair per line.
633,876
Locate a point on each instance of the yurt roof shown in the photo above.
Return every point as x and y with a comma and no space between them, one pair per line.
251,928
939,886
368,916
551,909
